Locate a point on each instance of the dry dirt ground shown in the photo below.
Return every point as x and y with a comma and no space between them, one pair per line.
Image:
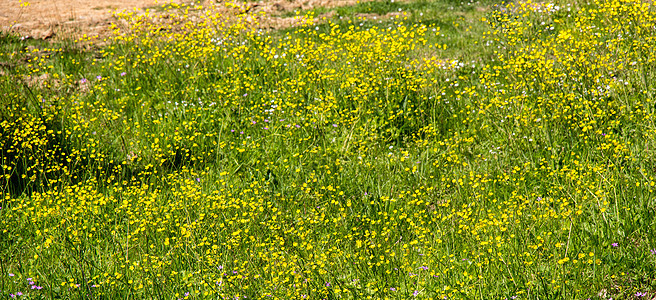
47,18
44,19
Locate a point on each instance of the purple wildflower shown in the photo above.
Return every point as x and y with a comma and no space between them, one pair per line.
123,73
99,77
83,80
640,294
11,274
653,251
393,289
334,125
415,293
615,244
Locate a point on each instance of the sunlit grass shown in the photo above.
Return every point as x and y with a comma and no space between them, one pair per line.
483,152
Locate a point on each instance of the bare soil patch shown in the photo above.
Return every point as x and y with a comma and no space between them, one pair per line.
44,19
50,18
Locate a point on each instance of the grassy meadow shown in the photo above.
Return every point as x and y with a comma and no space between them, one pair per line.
383,150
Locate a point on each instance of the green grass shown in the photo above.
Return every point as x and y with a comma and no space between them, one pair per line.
459,22
350,158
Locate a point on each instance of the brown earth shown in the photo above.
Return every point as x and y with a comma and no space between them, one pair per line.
47,18
44,19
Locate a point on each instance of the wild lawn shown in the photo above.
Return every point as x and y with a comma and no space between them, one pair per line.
386,150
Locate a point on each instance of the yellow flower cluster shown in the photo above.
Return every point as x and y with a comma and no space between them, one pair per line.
207,157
